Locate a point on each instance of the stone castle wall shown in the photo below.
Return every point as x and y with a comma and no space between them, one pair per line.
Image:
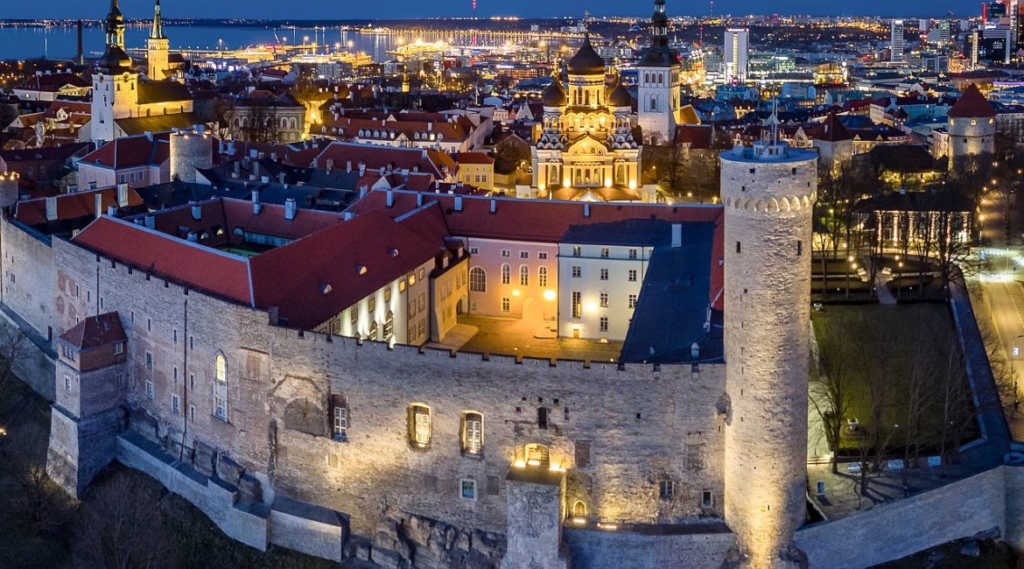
621,432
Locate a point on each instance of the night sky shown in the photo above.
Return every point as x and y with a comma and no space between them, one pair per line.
351,9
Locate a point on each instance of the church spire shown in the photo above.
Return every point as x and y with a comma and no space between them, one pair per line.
659,24
115,26
158,25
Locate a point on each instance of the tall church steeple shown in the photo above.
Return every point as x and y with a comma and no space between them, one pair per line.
114,59
114,85
157,47
659,25
158,25
658,80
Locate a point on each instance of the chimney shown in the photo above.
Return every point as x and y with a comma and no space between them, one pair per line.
280,177
51,209
458,203
348,216
122,195
98,206
494,205
419,199
694,350
266,179
362,169
391,198
289,209
586,210
329,164
256,169
273,156
253,153
197,211
150,222
231,147
237,168
348,166
80,59
112,211
193,237
677,234
430,127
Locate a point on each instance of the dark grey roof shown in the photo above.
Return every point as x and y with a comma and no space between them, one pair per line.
162,92
659,56
674,303
158,123
638,232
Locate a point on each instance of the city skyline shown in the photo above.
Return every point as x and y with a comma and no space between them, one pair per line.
408,9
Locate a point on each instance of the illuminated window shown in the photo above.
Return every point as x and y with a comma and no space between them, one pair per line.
220,388
506,304
477,280
472,433
542,276
604,300
389,326
577,304
524,275
506,274
579,510
537,455
372,334
419,425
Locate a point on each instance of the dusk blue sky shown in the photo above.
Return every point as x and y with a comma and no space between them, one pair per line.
349,9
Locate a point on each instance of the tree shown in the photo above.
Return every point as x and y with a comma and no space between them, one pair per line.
831,385
13,347
259,121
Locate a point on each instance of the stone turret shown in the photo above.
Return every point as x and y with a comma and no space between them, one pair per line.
768,192
972,126
190,150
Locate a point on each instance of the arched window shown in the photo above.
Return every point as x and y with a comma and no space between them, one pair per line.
538,455
220,387
389,326
542,277
472,433
654,104
372,334
419,425
524,275
477,280
579,510
506,274
620,174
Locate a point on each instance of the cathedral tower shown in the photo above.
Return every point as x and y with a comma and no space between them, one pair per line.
157,48
658,77
768,192
114,83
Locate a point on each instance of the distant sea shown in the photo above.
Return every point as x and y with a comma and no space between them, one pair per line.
61,42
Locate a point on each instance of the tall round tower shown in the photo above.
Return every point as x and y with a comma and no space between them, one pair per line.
768,191
972,126
8,189
190,149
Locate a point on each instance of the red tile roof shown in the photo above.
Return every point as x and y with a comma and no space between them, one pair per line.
132,152
202,268
528,220
51,82
832,130
376,157
972,104
71,206
474,158
95,331
315,278
227,215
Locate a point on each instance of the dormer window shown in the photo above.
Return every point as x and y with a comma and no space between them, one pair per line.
67,352
118,348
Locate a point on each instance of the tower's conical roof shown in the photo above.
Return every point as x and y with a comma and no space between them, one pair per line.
972,104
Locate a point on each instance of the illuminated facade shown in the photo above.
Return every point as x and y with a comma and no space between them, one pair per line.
586,149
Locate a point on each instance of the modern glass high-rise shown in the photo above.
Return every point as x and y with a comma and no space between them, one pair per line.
897,44
735,50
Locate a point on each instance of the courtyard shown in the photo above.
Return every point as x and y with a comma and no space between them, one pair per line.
514,337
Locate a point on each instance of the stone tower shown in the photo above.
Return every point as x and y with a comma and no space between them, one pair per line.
658,79
157,48
8,189
115,82
768,191
190,150
972,126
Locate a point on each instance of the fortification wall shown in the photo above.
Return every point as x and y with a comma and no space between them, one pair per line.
894,530
597,549
621,432
28,277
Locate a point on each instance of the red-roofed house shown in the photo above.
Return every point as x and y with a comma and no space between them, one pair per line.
138,160
46,86
476,169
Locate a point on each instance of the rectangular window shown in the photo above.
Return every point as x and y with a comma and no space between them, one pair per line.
412,310
799,248
192,413
67,384
387,295
149,324
149,360
576,271
467,489
604,274
149,388
632,275
632,301
220,407
422,273
543,256
632,253
737,246
604,323
577,305
175,374
472,433
419,425
665,489
604,300
371,305
422,302
175,404
542,276
707,499
340,422
174,334
474,250
577,251
506,305
524,254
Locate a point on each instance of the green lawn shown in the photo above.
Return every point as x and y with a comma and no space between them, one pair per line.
899,365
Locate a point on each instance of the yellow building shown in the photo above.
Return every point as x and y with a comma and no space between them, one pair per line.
476,169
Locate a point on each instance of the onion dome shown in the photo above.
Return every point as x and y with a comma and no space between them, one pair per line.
586,61
618,96
554,95
114,59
